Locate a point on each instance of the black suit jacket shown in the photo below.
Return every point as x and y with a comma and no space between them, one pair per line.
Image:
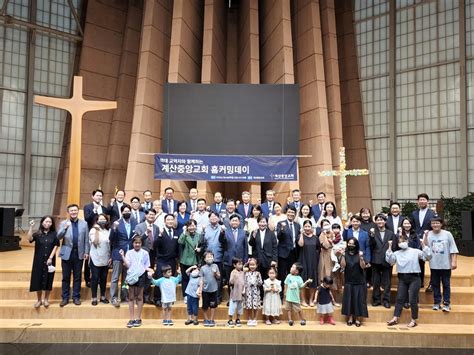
269,252
389,225
90,216
379,246
285,240
114,212
166,246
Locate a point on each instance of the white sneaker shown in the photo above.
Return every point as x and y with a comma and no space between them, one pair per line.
185,299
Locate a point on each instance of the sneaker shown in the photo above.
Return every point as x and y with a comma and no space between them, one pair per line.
255,322
138,323
188,322
230,324
131,323
268,322
196,322
303,322
212,323
429,289
436,307
290,323
206,323
446,308
185,299
238,323
115,302
165,322
170,322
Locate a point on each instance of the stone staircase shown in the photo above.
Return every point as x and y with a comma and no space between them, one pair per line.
20,322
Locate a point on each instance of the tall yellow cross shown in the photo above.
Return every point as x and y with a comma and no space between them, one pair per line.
77,107
343,173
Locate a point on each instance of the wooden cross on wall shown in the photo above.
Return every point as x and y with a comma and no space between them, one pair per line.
343,173
77,106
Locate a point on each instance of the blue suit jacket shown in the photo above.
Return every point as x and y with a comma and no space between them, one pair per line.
419,229
222,209
237,249
241,210
316,211
266,209
164,206
363,242
120,239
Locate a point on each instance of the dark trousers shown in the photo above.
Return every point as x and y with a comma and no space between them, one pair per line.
438,277
74,265
184,278
381,277
368,275
147,289
87,273
159,264
284,266
225,276
408,289
99,278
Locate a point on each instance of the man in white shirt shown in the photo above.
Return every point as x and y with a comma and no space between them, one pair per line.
201,216
394,220
193,200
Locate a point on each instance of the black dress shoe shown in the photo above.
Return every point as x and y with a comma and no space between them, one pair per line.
376,304
429,289
104,300
63,303
406,306
158,303
88,284
77,301
386,305
94,303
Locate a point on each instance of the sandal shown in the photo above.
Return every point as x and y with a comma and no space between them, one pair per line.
275,321
412,324
38,304
46,303
358,323
267,322
392,322
304,304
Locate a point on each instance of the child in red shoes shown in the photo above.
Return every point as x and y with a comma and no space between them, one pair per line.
324,299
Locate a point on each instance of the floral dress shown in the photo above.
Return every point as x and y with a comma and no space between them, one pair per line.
253,281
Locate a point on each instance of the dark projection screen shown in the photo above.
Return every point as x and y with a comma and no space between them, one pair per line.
231,119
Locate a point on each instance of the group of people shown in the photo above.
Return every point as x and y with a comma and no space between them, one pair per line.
266,256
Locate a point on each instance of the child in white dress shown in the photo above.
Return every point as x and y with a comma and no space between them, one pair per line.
271,299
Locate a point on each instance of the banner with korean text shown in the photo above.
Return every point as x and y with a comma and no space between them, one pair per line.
225,167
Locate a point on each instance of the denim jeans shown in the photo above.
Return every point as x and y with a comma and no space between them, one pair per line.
438,277
193,306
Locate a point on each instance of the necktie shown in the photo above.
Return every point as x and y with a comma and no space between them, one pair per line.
235,235
170,208
170,233
137,217
218,208
127,228
270,207
193,205
292,230
246,209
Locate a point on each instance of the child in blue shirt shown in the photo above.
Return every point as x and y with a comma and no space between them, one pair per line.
167,284
193,290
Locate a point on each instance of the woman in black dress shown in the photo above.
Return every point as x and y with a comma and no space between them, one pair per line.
354,298
46,244
309,257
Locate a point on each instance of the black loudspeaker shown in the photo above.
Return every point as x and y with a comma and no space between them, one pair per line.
467,222
7,222
8,239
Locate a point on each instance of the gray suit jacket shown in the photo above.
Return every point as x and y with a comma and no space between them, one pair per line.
140,229
83,244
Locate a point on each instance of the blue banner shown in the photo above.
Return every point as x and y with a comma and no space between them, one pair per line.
225,167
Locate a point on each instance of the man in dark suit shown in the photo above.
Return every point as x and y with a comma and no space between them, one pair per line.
191,204
394,219
116,205
269,204
91,212
137,215
121,236
265,247
296,200
147,201
148,231
167,251
169,205
288,232
380,239
218,206
236,246
422,219
74,251
245,208
318,208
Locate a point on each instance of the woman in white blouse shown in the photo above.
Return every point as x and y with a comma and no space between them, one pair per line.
99,257
277,217
330,214
306,215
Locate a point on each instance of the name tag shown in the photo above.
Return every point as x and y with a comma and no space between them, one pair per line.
175,237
